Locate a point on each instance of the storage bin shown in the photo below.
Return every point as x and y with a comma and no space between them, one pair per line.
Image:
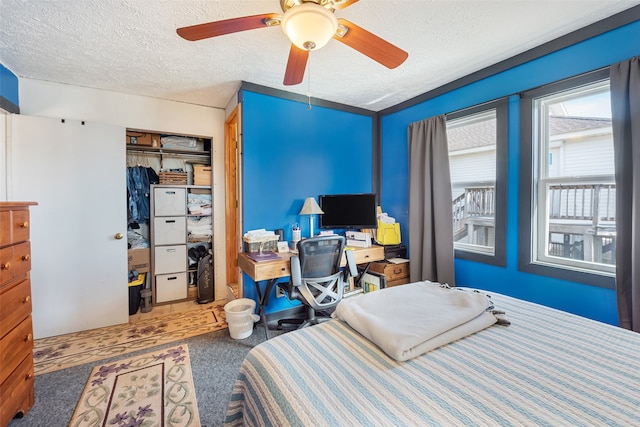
173,178
171,287
169,230
170,201
170,259
202,175
268,243
135,298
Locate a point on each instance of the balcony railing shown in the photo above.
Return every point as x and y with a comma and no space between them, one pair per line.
581,215
584,202
475,202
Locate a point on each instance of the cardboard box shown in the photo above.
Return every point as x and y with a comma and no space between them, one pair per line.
202,175
143,138
139,260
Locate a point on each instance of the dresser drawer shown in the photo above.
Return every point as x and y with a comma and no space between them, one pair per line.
16,393
170,259
390,270
169,230
169,201
171,287
22,258
14,226
15,306
14,347
5,228
20,225
397,282
7,270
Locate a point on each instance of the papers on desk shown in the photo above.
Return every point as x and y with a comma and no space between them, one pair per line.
263,256
397,260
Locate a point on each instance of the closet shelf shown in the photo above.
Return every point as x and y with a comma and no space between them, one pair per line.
163,151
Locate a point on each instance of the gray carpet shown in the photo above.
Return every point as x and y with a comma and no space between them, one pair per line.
215,361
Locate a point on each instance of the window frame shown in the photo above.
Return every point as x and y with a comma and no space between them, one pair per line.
529,178
499,255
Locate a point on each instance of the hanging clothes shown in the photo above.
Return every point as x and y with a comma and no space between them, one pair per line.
138,189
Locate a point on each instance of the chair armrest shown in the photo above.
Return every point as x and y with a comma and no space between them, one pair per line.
296,272
351,263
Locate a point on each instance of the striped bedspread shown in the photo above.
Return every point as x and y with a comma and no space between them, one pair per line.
548,368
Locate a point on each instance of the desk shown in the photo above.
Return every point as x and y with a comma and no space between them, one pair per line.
270,272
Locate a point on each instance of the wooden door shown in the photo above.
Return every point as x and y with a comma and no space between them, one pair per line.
232,208
76,172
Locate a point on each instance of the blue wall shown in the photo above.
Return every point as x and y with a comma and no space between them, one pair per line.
594,53
8,87
291,153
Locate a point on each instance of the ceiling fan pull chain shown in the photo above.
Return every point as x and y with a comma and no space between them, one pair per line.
309,81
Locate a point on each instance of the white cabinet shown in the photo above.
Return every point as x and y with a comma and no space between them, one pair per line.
181,219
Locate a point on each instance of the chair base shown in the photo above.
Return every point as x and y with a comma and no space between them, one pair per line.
311,319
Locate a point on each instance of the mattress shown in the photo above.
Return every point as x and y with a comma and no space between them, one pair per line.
547,368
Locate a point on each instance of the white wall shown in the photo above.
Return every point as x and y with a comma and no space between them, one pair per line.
48,99
3,155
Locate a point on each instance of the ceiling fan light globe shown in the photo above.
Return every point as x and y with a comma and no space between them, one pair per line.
309,26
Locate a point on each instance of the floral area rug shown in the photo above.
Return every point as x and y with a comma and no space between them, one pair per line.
64,351
153,389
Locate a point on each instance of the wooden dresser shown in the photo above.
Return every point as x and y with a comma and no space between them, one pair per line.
396,274
16,334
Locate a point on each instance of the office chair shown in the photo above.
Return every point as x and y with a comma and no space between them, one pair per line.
316,278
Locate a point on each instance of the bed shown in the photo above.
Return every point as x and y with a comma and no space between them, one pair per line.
547,368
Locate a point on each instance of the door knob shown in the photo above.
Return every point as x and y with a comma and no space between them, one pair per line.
119,236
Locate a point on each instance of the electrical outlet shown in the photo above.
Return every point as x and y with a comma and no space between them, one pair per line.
279,292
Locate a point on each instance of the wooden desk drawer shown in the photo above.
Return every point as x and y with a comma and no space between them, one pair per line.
391,271
365,255
16,393
14,347
15,306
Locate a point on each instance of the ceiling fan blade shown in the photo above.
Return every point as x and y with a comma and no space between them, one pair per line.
370,45
227,26
296,64
344,4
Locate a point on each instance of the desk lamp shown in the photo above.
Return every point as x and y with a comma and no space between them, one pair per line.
310,208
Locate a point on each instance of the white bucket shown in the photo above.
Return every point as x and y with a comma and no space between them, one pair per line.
240,317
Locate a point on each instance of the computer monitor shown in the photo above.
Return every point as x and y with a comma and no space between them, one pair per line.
349,211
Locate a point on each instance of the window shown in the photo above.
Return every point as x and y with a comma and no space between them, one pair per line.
571,180
478,181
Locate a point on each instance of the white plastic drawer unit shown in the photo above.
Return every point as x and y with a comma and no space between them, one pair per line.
171,287
170,259
169,230
169,201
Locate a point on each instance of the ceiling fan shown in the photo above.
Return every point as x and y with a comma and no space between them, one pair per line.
309,24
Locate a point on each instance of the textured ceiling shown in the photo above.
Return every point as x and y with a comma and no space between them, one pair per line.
131,46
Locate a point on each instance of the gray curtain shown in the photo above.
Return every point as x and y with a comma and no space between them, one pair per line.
625,109
430,217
